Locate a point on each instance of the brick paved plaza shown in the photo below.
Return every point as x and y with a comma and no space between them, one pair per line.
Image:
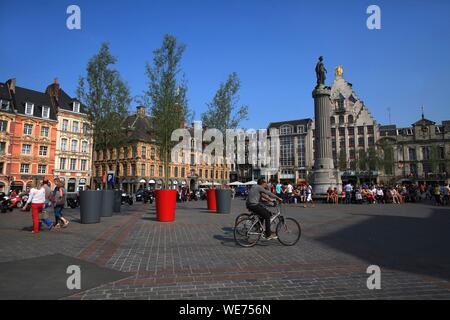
196,257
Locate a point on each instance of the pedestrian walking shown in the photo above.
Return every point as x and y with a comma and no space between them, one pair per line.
37,201
59,199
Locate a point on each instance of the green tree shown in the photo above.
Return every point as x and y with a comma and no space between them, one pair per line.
362,159
223,111
342,163
386,157
106,97
167,97
373,160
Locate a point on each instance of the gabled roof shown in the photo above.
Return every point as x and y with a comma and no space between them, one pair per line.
138,127
424,122
39,99
290,122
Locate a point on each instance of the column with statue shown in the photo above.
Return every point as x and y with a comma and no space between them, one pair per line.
324,174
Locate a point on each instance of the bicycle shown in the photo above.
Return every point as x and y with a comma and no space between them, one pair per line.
249,228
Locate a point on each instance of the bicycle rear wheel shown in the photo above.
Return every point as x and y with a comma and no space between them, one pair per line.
247,232
288,231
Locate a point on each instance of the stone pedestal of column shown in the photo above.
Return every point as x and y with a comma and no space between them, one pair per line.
324,175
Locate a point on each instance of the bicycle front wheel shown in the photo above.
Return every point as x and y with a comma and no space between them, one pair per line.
288,231
247,232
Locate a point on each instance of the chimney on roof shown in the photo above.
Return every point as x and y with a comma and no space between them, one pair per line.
140,110
53,89
11,83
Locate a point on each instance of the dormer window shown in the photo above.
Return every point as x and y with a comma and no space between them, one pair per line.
4,105
76,107
301,129
29,108
285,130
45,112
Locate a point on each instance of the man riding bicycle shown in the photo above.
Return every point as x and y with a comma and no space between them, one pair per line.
256,194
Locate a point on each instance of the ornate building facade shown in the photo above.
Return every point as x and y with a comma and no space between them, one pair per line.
30,136
136,163
421,153
73,156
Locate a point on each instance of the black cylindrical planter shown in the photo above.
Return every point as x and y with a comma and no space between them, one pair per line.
223,200
90,206
107,203
117,201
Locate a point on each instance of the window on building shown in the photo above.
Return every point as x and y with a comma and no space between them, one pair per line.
360,130
4,105
62,164
352,154
206,173
183,172
284,130
43,151
160,171
3,126
85,128
333,132
341,104
200,172
212,173
24,168
350,119
286,151
44,131
441,152
301,151
341,131
369,129
65,125
342,143
63,144
301,129
83,165
341,119
84,145
28,129
29,109
152,171
144,152
73,164
45,112
133,170
332,120
152,153
361,142
175,172
426,153
2,167
42,169
143,170
351,131
351,142
412,154
413,169
192,159
2,147
74,147
76,107
26,149
75,126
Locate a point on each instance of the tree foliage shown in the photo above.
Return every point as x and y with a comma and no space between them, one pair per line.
223,111
106,96
166,95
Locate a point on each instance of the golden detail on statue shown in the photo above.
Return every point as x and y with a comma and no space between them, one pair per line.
339,71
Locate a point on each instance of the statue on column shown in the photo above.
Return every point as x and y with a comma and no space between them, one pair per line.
320,72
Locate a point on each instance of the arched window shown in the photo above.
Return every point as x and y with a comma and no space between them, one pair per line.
350,119
341,119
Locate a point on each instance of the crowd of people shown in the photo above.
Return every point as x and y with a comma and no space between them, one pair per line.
41,197
398,194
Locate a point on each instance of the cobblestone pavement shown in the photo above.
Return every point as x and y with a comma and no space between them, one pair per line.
196,257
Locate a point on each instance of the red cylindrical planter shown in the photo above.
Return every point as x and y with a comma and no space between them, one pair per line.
211,198
166,201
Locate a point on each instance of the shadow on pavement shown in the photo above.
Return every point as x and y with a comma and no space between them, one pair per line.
409,244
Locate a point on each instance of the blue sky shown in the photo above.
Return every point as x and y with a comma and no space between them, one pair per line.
272,45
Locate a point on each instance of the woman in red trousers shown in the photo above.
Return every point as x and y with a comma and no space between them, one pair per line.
37,200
